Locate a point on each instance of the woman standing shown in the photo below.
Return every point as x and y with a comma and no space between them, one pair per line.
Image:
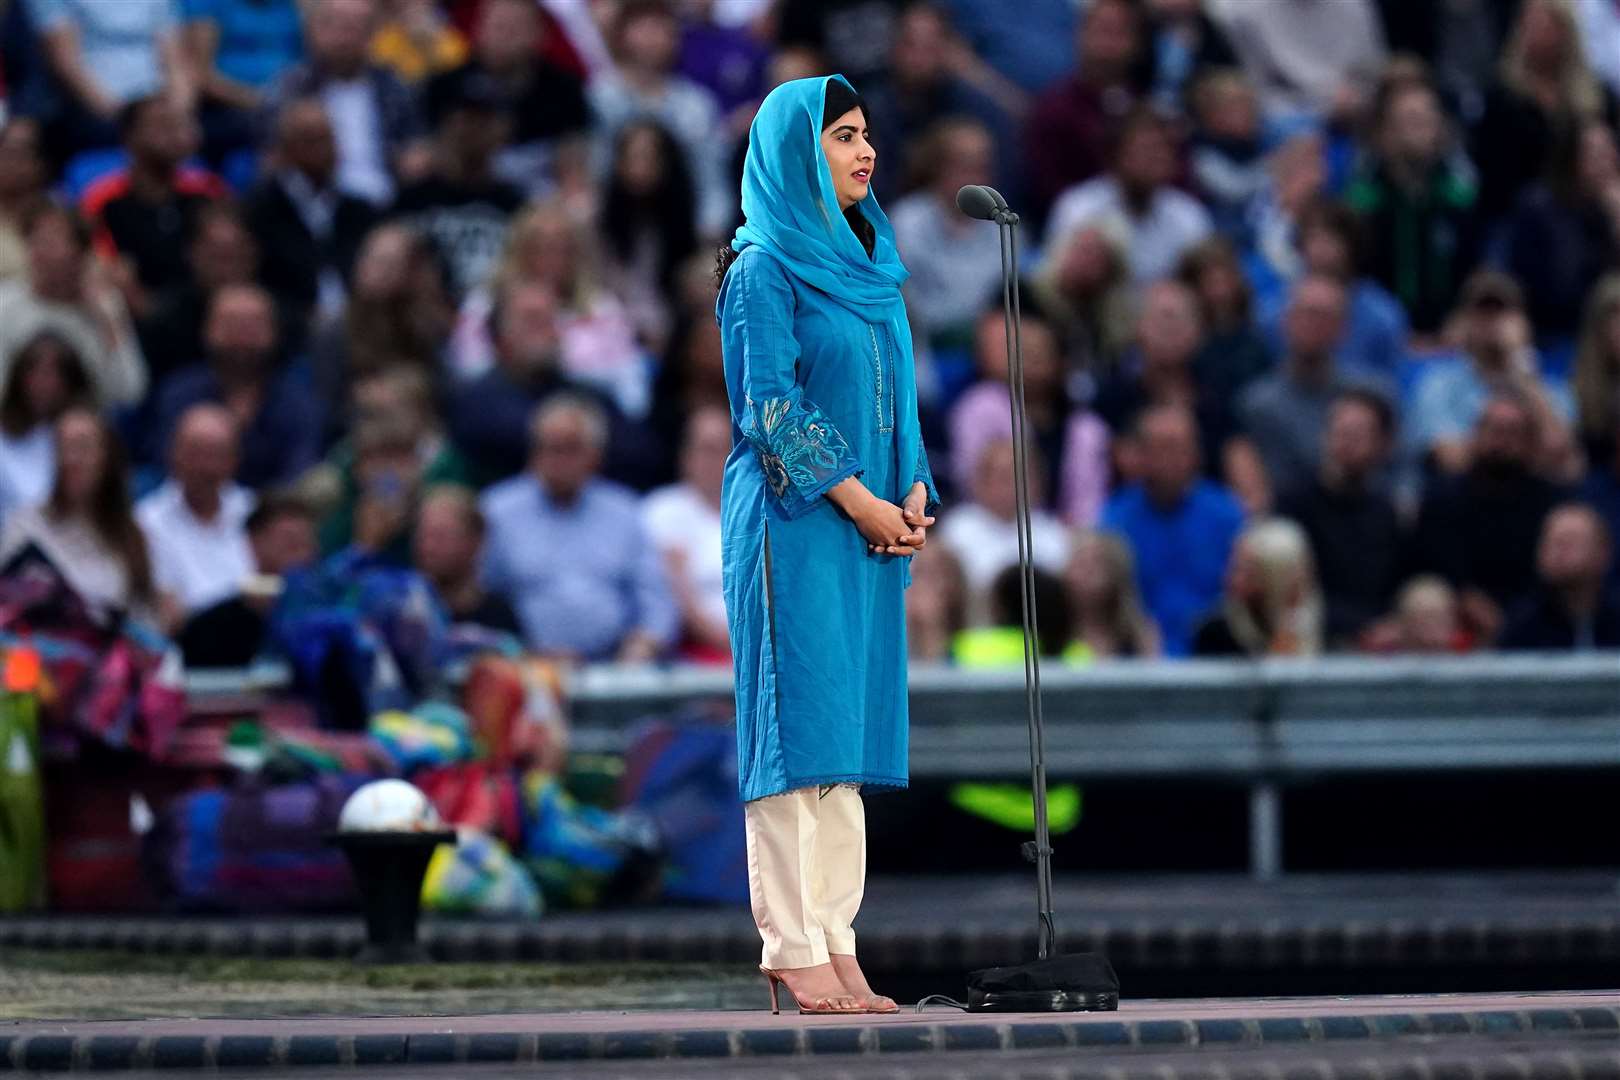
827,493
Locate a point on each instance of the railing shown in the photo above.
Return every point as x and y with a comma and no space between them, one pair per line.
1262,724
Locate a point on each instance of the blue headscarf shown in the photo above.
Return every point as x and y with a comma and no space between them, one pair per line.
792,212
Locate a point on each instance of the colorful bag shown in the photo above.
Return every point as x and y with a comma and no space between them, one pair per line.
431,736
254,849
475,795
682,774
478,876
583,856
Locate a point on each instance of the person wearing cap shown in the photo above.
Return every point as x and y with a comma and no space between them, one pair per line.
461,205
1496,357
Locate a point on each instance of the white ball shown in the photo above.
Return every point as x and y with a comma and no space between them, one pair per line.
388,806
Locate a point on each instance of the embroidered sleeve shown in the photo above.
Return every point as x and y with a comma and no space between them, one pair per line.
926,475
801,452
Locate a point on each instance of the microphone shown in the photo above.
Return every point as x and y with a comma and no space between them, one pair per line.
979,201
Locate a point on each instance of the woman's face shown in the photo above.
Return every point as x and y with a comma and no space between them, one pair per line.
384,264
641,161
80,457
44,377
850,157
1089,577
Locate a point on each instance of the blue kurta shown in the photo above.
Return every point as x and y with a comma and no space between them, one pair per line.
821,388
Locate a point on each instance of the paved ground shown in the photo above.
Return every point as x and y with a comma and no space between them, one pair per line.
1220,1026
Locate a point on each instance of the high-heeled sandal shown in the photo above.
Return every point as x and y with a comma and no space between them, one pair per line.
821,1006
881,1004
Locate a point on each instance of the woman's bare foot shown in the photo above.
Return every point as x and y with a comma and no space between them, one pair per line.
818,988
854,980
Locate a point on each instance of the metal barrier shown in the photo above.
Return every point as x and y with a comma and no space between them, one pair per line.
1263,724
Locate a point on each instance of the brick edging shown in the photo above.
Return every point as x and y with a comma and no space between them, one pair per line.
175,1052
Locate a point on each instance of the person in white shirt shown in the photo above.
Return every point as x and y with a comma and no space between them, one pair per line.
196,522
1135,203
983,534
44,380
683,522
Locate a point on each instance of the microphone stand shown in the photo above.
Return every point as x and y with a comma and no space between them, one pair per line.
1051,983
1040,851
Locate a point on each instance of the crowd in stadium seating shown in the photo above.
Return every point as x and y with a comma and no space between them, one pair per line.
1322,311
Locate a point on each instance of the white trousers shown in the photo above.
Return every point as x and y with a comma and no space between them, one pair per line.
806,872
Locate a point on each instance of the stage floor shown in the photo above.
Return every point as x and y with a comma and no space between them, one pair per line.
1150,1035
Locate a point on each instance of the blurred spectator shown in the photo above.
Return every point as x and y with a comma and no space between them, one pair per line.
1299,179
1572,606
568,548
280,427
1227,153
1461,39
237,48
414,40
1083,286
936,604
309,230
1183,41
44,380
1068,133
1416,203
68,294
1234,354
1495,339
23,180
1427,618
1544,86
1347,513
1328,240
647,221
104,56
854,37
1032,51
544,102
85,528
1072,437
1100,580
221,252
1308,58
982,532
399,313
1597,371
1285,413
955,261
460,205
723,57
1565,230
396,450
372,112
1600,40
1180,527
490,415
682,520
1156,222
195,523
1271,606
919,88
146,214
645,38
1160,371
999,640
448,550
545,245
232,633
1479,530
692,374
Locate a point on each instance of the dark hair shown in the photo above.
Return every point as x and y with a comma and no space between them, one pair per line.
1337,218
275,505
15,419
666,212
1375,403
129,117
109,510
1053,614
